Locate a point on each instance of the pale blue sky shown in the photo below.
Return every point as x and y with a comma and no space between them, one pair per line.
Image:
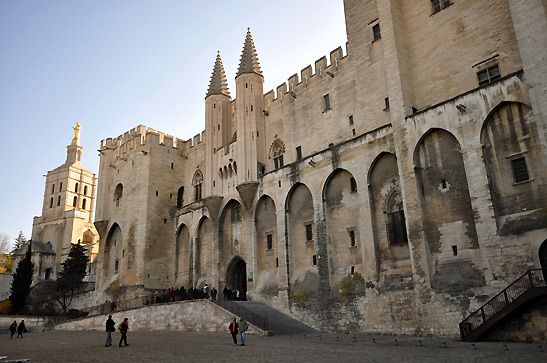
112,65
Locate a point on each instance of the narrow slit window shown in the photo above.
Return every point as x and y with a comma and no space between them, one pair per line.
376,32
327,102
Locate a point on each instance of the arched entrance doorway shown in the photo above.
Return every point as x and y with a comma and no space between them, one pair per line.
543,257
236,277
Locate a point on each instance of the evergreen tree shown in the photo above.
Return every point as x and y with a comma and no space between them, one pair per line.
19,242
70,279
22,279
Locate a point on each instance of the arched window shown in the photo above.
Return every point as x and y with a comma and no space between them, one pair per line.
180,197
61,186
396,224
53,189
58,200
118,193
51,202
235,168
83,204
76,188
276,152
85,189
197,182
75,202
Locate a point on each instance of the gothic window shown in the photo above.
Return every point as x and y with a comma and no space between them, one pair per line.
118,192
61,186
47,274
83,203
75,202
51,202
85,189
76,188
58,200
197,183
276,152
396,226
235,168
53,189
180,197
299,153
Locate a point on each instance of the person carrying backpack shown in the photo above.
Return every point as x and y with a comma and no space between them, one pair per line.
123,327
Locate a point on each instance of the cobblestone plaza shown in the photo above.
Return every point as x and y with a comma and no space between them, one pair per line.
87,346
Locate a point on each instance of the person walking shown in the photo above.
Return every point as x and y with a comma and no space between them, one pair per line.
110,327
243,326
21,329
213,294
13,328
124,327
234,330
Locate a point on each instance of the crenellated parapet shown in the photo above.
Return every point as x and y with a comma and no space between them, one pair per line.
308,78
141,138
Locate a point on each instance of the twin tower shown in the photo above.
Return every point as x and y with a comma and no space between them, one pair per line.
242,120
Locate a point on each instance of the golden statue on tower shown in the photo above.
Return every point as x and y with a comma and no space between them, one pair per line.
76,138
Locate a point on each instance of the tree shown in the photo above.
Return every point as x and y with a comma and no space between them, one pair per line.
6,261
22,279
70,279
19,242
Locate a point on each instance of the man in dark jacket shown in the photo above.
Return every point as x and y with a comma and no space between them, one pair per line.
123,330
234,328
13,328
21,329
110,327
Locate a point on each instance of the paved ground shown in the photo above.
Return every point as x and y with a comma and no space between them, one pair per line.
87,346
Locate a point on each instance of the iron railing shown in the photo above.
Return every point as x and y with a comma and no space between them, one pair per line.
530,280
235,308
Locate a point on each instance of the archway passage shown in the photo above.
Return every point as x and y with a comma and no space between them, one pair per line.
543,257
236,277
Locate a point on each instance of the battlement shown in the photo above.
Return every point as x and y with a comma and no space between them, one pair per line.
307,77
140,136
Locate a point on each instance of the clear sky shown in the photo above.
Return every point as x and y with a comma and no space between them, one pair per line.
114,64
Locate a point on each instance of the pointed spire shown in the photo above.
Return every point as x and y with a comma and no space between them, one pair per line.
218,84
249,59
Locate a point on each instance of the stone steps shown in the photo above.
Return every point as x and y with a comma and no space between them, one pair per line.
278,322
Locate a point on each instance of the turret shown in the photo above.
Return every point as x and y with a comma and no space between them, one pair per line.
249,114
218,116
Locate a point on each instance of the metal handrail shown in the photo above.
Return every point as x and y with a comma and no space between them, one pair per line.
236,309
531,279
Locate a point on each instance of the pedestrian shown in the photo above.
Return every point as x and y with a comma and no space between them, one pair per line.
234,330
13,328
21,329
226,293
213,294
206,291
110,327
124,327
243,326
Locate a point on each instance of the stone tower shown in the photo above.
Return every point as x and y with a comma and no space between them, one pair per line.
67,213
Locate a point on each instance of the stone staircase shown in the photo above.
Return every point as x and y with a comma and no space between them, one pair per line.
278,322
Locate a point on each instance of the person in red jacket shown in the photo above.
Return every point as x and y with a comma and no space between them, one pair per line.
123,330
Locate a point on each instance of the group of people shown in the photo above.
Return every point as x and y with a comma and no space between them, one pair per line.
172,294
240,328
20,329
235,328
111,327
231,294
